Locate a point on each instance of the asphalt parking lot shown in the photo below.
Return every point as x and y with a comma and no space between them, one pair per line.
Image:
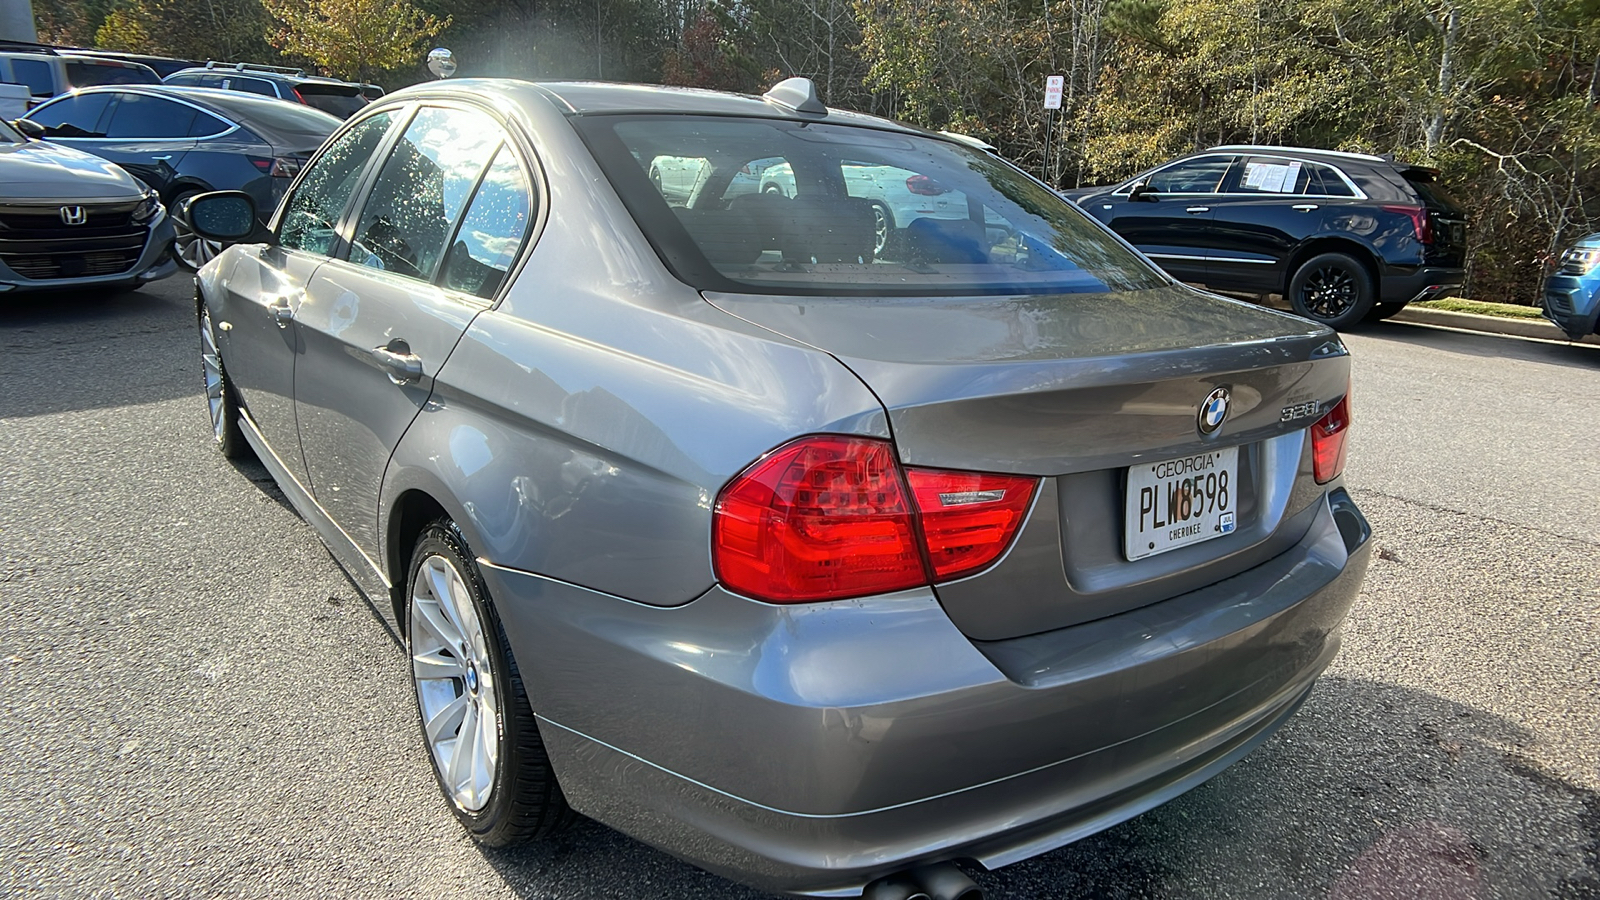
198,704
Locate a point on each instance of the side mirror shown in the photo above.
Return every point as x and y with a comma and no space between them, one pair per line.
1141,191
228,217
29,128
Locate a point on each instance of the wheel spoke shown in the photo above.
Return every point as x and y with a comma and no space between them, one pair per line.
433,664
427,614
447,719
463,750
482,766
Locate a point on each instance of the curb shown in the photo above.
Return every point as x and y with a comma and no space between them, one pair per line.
1526,328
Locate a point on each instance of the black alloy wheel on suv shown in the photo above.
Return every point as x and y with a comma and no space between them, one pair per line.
1344,237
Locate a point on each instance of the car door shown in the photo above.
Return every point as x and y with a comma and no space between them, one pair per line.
147,135
266,286
1170,218
1268,207
376,326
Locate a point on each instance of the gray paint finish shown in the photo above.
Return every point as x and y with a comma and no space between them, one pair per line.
579,425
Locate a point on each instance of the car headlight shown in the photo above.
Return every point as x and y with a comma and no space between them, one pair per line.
1580,260
148,206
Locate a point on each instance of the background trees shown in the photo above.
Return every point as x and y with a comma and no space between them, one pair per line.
1501,94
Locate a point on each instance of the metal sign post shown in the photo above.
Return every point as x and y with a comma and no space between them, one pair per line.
1053,86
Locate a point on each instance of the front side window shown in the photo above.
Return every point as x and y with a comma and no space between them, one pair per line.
311,214
35,73
1197,176
785,207
75,115
143,116
422,189
492,231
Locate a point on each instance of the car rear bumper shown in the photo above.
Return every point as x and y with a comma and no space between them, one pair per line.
1572,302
811,749
1414,285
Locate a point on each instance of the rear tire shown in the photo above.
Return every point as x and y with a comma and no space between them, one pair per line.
500,784
1332,288
882,231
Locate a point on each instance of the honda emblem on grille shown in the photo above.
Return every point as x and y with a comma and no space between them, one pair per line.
74,215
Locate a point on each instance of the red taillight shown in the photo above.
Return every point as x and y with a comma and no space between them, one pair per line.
819,519
1419,221
264,164
968,518
1328,439
924,186
829,517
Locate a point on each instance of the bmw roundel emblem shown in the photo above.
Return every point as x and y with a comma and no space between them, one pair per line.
1214,411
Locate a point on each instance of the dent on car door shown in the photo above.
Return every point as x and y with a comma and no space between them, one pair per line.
266,287
376,324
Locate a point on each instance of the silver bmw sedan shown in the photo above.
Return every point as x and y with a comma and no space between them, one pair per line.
822,557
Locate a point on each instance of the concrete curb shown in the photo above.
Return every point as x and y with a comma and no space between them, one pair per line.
1527,328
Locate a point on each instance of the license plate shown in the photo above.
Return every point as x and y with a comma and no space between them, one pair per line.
1177,502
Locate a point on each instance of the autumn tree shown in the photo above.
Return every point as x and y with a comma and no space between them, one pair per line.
354,39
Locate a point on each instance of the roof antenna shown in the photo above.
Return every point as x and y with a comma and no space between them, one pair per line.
798,94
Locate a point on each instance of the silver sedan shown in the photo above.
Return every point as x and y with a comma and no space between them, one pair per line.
819,563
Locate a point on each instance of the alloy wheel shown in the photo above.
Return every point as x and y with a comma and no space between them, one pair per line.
452,668
192,250
880,230
1329,291
211,365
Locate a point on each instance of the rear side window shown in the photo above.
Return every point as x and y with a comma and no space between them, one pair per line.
312,212
183,80
339,100
492,231
419,194
75,115
142,116
35,73
254,86
81,73
784,207
207,125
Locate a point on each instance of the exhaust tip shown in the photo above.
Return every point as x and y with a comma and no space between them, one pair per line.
943,881
899,886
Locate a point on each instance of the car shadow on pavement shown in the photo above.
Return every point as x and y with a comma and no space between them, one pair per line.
1491,346
1372,792
63,351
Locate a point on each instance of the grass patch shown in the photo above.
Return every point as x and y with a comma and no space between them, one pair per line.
1483,308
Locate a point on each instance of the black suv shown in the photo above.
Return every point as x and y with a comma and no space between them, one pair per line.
339,98
1345,237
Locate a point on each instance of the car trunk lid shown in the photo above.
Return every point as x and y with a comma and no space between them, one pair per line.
1075,389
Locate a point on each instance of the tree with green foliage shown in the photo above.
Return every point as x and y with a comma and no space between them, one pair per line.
354,39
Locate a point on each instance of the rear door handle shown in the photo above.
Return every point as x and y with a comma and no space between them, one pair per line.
163,158
1305,207
1198,209
404,367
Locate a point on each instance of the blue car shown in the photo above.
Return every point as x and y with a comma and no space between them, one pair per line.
1572,295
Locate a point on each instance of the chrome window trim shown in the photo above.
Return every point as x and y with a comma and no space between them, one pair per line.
1358,194
232,125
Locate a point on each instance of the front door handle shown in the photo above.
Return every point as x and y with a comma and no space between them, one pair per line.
163,158
404,366
1198,209
1305,207
281,312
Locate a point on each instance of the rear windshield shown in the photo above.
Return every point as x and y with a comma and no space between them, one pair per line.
274,115
81,74
1432,192
342,100
785,207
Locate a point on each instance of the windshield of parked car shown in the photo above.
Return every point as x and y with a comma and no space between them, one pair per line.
787,207
83,73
